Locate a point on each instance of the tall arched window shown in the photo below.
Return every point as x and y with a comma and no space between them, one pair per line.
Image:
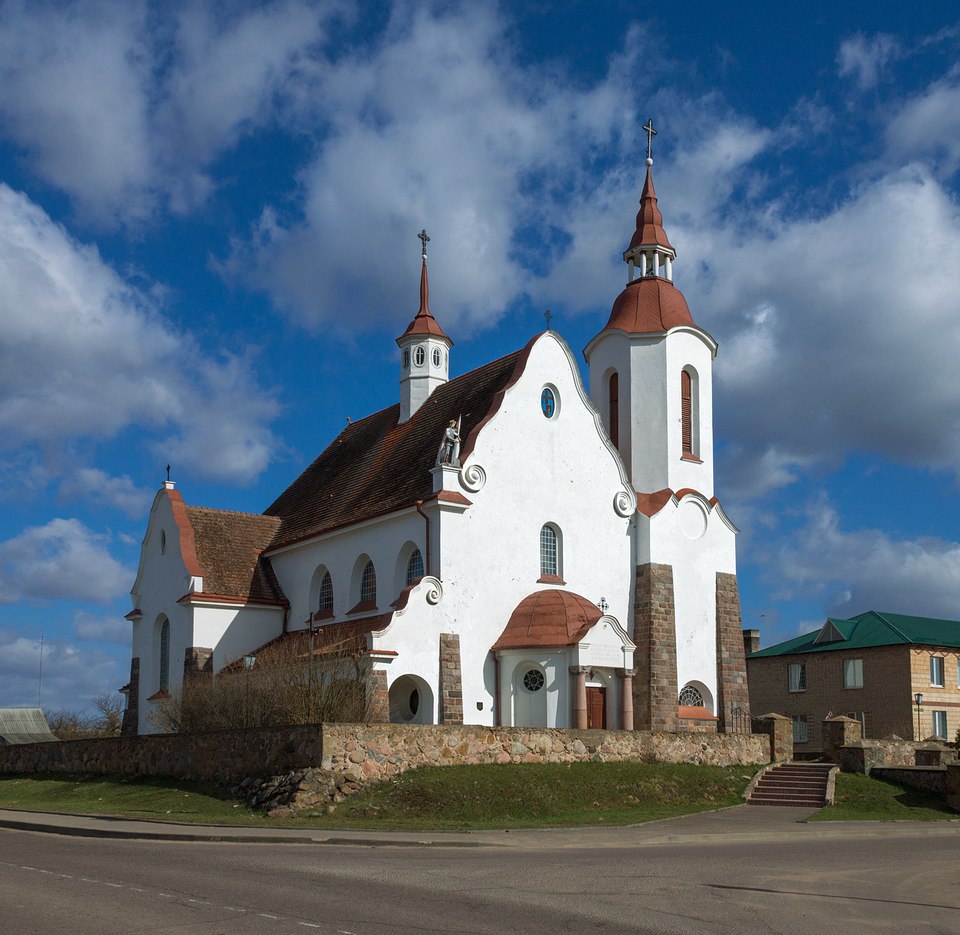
325,599
165,655
615,409
368,584
686,412
414,567
549,552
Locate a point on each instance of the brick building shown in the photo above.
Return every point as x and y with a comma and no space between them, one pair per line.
869,667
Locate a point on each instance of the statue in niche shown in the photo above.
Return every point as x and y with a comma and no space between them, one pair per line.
449,452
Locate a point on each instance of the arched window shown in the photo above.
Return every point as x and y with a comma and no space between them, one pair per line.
690,696
368,584
686,412
549,552
414,567
419,356
165,655
615,409
325,598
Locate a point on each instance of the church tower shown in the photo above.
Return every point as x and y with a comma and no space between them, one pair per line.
651,366
424,350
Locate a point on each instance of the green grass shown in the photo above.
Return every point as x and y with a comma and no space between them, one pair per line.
450,797
862,798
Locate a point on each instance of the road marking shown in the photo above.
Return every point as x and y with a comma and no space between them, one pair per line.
266,915
309,925
118,886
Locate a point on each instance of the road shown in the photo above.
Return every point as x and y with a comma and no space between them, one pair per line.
538,882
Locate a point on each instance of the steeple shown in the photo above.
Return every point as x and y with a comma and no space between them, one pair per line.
650,250
424,349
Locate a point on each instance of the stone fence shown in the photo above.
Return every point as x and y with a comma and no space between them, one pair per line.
371,751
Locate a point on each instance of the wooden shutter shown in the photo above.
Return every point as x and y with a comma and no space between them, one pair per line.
615,409
686,413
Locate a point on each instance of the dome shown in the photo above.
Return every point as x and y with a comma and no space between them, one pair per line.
649,305
549,618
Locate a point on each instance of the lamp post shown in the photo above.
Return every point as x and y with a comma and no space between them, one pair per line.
918,698
248,661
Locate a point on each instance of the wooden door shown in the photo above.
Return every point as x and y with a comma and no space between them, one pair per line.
596,706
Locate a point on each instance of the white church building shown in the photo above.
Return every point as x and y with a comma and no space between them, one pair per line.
591,586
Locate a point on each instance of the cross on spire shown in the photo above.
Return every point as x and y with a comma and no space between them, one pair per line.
651,133
424,239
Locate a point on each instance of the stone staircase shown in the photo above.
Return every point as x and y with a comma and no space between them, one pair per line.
796,784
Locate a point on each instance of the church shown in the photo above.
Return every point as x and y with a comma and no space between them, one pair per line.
591,586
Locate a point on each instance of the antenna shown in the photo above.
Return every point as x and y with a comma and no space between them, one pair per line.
40,694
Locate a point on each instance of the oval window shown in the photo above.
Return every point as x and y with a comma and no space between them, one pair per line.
548,402
418,356
436,357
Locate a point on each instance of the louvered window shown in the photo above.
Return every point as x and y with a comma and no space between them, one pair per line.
686,411
615,409
368,584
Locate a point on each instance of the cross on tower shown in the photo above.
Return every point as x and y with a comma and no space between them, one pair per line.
651,133
424,239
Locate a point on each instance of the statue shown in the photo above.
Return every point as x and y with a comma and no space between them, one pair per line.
449,452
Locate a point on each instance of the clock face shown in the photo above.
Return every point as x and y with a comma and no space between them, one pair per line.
548,402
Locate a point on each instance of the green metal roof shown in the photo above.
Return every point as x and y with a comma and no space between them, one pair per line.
869,629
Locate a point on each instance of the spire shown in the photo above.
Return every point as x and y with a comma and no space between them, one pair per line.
650,249
424,322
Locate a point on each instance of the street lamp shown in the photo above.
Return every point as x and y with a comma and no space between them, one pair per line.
918,698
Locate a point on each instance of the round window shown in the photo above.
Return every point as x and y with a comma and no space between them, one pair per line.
533,680
436,357
690,696
419,356
548,402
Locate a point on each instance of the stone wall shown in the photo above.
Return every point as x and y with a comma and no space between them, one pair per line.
361,752
779,729
928,778
655,687
864,756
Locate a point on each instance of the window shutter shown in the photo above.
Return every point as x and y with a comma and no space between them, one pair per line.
686,414
615,409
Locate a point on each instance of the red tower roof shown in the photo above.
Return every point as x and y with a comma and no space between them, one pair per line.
649,305
649,230
424,322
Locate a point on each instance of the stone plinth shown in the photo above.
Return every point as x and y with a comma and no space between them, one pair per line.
779,728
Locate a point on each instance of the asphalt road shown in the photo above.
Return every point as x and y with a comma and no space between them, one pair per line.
593,881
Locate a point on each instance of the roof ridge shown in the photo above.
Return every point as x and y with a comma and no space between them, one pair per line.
214,509
892,625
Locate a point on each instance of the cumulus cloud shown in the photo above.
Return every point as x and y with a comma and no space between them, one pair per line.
85,354
102,489
927,126
865,58
853,570
124,105
112,629
62,559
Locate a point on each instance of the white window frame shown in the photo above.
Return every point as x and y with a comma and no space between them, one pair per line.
940,716
937,671
797,677
853,673
368,583
550,551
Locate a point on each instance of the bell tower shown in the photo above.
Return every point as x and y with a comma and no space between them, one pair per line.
424,350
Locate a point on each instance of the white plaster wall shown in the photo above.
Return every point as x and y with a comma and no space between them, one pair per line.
669,539
232,631
557,688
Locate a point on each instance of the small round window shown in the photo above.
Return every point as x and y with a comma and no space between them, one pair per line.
533,680
419,357
437,357
549,402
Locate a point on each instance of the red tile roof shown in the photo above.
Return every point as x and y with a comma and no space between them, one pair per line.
376,466
649,305
649,219
424,322
228,550
548,618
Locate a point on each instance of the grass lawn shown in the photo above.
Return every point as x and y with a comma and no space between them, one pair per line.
861,798
450,797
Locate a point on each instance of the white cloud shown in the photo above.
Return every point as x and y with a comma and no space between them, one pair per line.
61,560
927,126
866,58
85,354
111,629
124,105
866,569
102,489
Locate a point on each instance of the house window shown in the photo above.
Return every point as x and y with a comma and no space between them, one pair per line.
800,728
936,671
165,656
368,584
549,552
853,673
686,412
415,567
615,409
325,601
940,724
797,677
418,356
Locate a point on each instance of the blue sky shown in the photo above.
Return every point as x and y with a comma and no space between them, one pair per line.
207,246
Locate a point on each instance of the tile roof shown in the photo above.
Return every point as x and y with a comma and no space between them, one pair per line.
228,548
377,466
548,618
649,219
869,629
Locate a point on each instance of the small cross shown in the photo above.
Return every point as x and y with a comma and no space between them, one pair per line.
549,317
168,472
603,605
651,133
424,239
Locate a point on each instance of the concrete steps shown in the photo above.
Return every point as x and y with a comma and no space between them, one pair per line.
794,784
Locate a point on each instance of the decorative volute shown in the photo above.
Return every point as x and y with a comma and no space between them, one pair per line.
424,350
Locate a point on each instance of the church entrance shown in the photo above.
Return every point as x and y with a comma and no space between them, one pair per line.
596,707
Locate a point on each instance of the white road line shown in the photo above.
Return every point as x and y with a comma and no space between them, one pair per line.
266,915
88,880
309,925
118,886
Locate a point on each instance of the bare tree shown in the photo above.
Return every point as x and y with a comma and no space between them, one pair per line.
79,725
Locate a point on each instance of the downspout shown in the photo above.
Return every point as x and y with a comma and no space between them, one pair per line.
496,689
426,520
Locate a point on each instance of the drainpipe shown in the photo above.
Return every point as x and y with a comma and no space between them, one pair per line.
496,690
426,520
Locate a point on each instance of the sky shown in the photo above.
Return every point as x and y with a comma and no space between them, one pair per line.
208,219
